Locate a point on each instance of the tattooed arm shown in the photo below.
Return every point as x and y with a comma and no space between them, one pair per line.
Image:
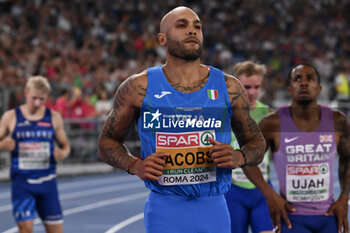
247,133
340,207
127,103
245,128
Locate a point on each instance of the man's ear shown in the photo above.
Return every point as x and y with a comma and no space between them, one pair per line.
162,39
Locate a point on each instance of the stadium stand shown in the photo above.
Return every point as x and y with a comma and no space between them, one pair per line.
87,48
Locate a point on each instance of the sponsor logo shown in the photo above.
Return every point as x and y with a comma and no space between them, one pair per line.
44,124
157,120
184,140
188,109
213,94
162,94
177,140
151,120
33,145
326,138
303,170
288,140
25,123
205,138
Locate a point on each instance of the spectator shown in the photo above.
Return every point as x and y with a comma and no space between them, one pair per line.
68,41
342,87
104,104
62,104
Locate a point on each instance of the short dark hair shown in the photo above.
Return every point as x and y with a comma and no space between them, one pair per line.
300,64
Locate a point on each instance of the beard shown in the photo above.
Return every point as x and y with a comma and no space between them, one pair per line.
177,49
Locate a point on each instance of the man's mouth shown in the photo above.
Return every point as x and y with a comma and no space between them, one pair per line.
304,92
192,40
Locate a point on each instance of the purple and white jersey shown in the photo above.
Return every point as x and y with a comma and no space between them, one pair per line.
305,163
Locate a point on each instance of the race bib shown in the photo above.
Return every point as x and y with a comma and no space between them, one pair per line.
33,155
189,161
307,183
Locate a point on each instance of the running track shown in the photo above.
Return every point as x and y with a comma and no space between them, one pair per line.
105,203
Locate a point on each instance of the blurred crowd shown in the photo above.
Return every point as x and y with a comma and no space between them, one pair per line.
86,48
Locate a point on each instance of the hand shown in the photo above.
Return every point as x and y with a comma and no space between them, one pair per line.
58,154
151,167
278,208
8,144
340,209
224,155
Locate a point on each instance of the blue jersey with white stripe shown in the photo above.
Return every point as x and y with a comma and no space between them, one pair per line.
33,154
180,124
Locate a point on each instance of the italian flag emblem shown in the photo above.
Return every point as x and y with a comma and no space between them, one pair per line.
212,94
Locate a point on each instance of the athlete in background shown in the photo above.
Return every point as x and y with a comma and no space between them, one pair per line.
185,112
29,132
245,202
304,139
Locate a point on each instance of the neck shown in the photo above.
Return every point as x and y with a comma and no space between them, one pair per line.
32,114
186,76
179,70
252,106
305,112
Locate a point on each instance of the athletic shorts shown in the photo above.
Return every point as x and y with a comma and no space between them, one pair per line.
26,198
248,207
311,224
174,214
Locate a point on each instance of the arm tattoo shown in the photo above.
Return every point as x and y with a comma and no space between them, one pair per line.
254,147
141,91
111,155
110,144
189,89
233,96
256,143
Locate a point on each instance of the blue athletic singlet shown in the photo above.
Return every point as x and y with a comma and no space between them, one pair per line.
33,154
33,170
180,124
189,196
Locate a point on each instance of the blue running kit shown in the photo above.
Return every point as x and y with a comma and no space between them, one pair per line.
189,196
33,170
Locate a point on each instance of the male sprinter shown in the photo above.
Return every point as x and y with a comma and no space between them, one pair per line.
305,138
185,111
245,202
29,132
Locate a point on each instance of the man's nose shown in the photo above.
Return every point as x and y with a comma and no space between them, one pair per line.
37,103
250,92
304,81
192,31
